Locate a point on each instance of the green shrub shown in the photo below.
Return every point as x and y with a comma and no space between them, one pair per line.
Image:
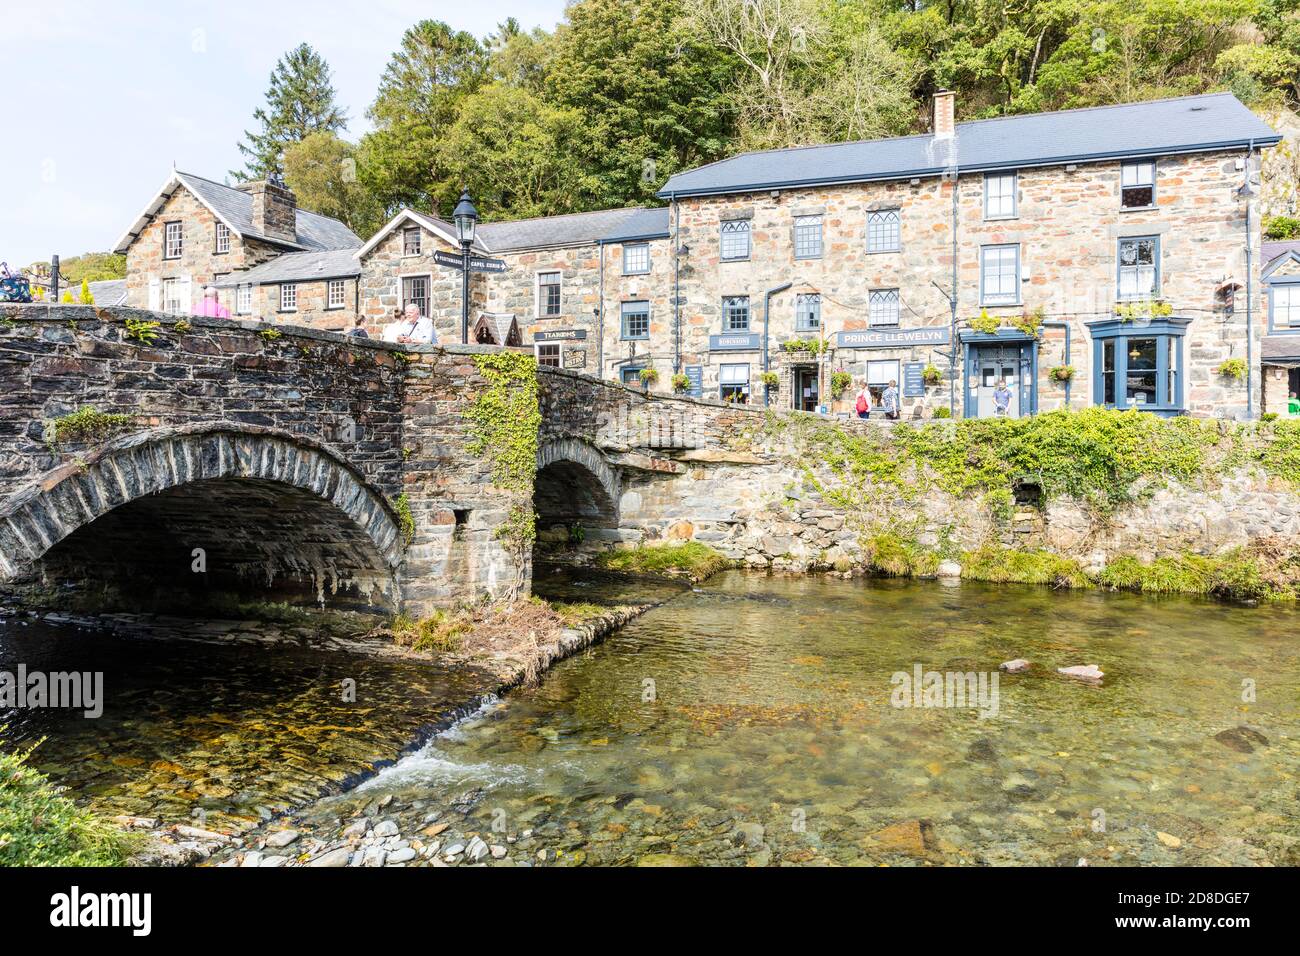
889,553
692,558
88,424
41,827
1281,227
1023,567
840,381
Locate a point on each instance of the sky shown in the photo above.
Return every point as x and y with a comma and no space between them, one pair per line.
105,97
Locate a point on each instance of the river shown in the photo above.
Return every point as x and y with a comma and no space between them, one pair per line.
752,720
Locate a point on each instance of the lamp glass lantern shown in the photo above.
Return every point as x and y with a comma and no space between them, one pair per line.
466,218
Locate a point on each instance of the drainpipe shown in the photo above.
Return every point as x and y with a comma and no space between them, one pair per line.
1062,324
1246,192
677,284
600,319
767,309
952,305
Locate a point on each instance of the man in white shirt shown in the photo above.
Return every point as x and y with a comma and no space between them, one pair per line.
412,329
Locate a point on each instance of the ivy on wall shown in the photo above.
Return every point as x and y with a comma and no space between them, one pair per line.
504,420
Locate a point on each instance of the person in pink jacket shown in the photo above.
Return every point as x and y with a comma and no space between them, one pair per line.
211,306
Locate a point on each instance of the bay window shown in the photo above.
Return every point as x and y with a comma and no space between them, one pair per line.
1139,366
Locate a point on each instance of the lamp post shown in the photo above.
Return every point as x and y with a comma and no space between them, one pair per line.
466,219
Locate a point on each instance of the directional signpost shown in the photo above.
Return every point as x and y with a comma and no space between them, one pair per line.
476,263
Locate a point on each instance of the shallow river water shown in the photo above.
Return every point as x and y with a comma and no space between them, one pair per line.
750,721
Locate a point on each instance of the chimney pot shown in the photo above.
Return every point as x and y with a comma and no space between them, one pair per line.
945,103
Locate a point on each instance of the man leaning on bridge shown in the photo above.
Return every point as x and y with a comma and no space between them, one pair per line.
411,329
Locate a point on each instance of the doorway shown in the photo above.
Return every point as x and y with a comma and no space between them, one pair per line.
995,364
806,388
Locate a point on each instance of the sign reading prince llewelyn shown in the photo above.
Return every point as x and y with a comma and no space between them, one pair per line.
892,338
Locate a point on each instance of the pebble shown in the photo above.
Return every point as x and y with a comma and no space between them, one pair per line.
1016,666
281,838
498,851
387,828
337,857
356,830
402,855
477,849
1086,672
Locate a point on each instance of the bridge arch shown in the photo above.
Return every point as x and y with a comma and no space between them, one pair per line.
575,485
260,503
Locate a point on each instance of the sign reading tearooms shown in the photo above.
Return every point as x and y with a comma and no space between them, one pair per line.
559,335
734,342
892,338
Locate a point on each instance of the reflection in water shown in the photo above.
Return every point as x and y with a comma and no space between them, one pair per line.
749,721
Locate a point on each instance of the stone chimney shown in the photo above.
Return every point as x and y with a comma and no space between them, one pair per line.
945,104
275,209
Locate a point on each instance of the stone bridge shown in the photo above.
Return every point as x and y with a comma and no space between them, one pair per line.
171,456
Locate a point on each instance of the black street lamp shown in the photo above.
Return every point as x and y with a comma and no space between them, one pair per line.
466,218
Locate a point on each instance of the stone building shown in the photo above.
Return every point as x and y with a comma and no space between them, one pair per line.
267,257
1099,256
1113,241
563,287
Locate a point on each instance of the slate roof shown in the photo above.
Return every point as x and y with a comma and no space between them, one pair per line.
298,267
1185,124
1270,250
234,207
106,291
575,229
1281,349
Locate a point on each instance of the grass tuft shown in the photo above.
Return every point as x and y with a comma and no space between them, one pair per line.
693,559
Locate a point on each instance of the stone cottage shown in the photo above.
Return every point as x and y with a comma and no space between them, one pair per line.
268,258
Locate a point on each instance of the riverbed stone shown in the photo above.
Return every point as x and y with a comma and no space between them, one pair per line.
337,857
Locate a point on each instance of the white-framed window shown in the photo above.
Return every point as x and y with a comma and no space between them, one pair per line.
635,320
548,353
288,297
173,240
882,307
548,294
735,313
1285,301
336,294
173,297
884,230
411,241
1139,267
416,289
733,382
808,311
808,237
1000,195
735,240
223,238
1137,185
999,275
244,300
636,258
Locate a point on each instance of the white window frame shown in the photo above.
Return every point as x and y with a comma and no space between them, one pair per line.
407,232
1285,305
1001,195
884,231
172,287
812,241
735,228
1137,270
1001,297
558,355
331,286
223,239
883,308
244,299
288,297
173,241
541,312
1132,175
633,254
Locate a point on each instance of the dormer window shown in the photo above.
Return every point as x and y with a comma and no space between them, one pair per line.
173,240
223,238
1137,185
411,241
